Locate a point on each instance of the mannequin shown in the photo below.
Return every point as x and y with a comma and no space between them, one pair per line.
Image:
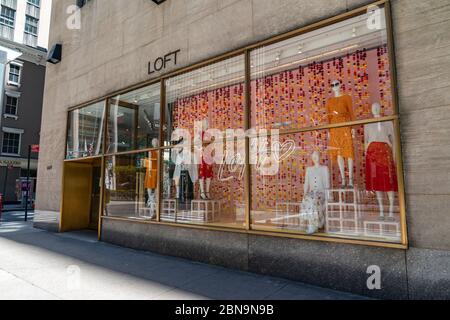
151,164
206,170
340,109
185,174
317,181
381,175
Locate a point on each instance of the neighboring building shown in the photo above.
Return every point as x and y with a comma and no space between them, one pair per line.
24,27
356,185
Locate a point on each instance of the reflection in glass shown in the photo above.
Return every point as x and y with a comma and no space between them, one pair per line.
134,120
131,185
85,131
305,193
198,191
332,74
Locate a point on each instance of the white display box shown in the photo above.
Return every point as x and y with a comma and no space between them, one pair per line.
343,211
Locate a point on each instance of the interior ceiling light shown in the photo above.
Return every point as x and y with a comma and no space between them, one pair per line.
300,49
354,32
278,57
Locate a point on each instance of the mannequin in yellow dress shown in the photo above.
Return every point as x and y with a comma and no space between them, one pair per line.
151,175
340,109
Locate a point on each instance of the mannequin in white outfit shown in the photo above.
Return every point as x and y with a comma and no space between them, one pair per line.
317,181
382,132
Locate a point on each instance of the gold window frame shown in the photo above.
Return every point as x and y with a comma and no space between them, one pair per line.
246,51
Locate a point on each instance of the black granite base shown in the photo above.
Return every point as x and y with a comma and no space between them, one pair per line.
338,266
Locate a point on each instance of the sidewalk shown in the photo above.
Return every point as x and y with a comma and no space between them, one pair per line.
35,264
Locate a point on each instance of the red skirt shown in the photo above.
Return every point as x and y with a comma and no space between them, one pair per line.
381,173
206,170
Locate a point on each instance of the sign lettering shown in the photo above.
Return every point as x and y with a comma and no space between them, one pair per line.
161,63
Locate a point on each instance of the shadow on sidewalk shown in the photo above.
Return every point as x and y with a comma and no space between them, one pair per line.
206,281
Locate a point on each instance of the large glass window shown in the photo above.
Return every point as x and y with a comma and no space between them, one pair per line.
320,155
213,95
203,175
85,131
331,75
134,120
131,183
304,186
340,181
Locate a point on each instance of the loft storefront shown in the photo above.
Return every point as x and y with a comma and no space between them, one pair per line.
314,154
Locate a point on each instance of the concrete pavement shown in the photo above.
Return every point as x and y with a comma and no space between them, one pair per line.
36,264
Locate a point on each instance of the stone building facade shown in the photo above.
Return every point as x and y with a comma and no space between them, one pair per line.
110,52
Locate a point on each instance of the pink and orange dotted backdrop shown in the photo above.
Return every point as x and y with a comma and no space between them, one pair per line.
288,100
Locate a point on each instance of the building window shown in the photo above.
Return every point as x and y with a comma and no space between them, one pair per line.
31,25
11,105
36,3
298,137
7,16
141,107
14,74
81,3
85,131
11,143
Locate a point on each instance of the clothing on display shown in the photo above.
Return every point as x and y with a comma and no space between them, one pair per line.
380,168
151,175
381,174
312,211
183,161
186,187
205,170
317,181
340,109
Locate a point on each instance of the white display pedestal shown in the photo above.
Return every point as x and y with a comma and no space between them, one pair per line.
288,213
342,214
205,210
148,212
383,229
169,210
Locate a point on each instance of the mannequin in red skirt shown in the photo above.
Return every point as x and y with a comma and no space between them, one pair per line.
381,172
206,170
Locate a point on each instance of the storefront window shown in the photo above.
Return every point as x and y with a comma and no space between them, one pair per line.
131,183
212,97
134,120
85,131
341,181
333,74
201,187
315,153
313,186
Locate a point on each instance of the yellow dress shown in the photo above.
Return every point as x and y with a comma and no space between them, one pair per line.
340,109
152,173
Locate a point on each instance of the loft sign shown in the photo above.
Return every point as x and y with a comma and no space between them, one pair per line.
161,63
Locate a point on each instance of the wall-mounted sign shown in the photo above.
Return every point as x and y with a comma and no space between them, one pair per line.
161,63
10,163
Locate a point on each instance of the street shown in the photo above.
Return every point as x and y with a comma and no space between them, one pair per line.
36,264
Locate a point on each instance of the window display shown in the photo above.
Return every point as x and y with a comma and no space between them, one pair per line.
306,194
134,120
303,81
298,137
85,131
200,187
214,93
130,184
